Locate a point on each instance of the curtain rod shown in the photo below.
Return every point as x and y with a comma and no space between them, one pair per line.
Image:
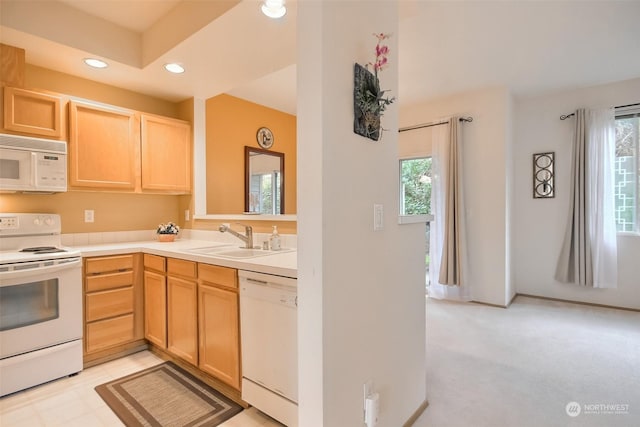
426,125
566,116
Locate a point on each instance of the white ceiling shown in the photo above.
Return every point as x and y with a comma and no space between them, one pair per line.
444,47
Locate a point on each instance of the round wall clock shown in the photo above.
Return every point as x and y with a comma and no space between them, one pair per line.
265,138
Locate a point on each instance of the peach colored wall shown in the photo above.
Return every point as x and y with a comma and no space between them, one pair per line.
113,211
43,78
231,124
123,212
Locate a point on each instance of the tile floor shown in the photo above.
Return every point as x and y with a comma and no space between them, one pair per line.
72,401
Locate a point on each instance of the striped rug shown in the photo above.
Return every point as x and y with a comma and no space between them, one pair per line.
166,396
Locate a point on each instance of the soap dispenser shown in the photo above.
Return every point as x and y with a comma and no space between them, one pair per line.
274,240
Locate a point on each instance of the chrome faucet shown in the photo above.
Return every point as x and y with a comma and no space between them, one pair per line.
246,238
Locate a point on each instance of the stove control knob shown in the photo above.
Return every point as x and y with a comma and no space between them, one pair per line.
37,221
48,220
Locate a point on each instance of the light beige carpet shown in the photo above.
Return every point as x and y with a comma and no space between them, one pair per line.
531,365
166,396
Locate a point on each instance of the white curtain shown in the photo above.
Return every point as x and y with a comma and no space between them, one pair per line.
447,185
589,253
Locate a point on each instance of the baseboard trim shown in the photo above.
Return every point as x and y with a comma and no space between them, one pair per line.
636,310
412,419
513,298
489,304
109,354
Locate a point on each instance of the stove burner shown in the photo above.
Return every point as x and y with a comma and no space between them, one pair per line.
43,250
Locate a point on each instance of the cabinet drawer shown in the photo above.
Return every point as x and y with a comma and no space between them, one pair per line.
109,264
109,281
110,332
218,275
154,262
181,267
111,303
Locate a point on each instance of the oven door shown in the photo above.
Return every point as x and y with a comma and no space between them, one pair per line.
16,169
40,307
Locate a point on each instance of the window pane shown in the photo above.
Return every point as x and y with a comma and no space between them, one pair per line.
627,171
415,181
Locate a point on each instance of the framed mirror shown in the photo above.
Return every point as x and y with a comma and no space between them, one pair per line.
263,181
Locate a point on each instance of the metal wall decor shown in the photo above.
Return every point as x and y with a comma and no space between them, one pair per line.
543,176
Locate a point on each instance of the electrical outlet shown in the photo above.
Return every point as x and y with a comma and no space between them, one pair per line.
367,390
88,215
187,214
372,409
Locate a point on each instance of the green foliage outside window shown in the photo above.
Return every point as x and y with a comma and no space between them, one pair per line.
416,186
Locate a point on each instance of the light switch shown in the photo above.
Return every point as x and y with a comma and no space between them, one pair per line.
378,217
88,215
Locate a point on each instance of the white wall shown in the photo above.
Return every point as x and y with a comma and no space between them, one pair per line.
361,293
486,145
540,223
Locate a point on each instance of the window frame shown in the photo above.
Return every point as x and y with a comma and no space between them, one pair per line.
626,112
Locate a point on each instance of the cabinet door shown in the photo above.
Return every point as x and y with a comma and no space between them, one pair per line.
30,112
104,147
155,308
166,154
219,334
182,319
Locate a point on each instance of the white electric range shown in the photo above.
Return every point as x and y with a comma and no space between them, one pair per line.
40,302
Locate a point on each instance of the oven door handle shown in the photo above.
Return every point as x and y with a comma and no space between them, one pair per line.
40,270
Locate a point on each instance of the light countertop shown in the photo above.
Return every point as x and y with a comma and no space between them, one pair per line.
281,264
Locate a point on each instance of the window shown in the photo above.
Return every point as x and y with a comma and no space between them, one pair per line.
415,195
415,186
627,170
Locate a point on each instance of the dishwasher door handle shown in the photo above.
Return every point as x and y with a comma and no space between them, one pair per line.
256,281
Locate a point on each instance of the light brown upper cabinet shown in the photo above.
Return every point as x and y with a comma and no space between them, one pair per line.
166,154
117,149
104,147
33,113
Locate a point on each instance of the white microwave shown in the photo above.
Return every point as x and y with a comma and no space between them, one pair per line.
32,164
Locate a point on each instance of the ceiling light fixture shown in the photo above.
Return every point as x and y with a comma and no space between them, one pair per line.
174,68
274,8
95,63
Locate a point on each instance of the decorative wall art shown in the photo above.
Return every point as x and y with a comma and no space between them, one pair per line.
369,102
543,176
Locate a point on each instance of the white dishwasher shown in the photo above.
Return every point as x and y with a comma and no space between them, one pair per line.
269,325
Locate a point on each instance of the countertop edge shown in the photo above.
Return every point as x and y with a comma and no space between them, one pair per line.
278,264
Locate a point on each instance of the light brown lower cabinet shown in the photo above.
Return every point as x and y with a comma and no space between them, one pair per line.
192,312
155,308
219,333
182,319
112,304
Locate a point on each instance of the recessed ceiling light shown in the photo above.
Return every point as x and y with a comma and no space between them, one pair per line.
274,8
174,68
95,63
